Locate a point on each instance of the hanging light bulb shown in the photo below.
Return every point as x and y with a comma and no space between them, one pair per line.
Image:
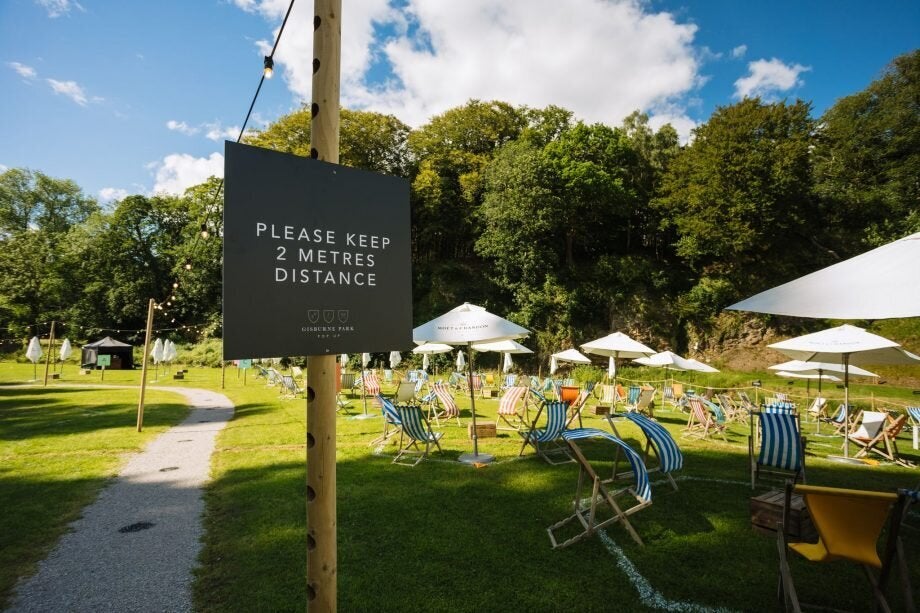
204,231
188,266
175,286
269,65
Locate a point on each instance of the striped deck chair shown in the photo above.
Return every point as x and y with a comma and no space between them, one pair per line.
884,443
478,387
272,378
914,414
545,440
412,375
658,441
576,406
601,498
415,431
405,393
644,402
632,397
818,407
745,401
510,380
447,406
387,375
778,406
838,419
392,424
289,387
606,394
511,409
781,449
341,400
733,410
677,392
702,422
371,383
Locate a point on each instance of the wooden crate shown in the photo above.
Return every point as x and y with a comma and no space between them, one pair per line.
490,393
484,429
599,409
179,375
767,512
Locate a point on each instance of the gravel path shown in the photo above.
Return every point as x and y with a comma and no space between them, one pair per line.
135,547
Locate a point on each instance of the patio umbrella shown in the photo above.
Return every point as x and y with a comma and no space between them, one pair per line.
807,375
157,354
573,356
847,344
506,348
395,359
667,360
365,359
465,325
425,363
34,354
879,284
461,361
507,364
427,349
553,365
700,366
66,351
616,346
817,370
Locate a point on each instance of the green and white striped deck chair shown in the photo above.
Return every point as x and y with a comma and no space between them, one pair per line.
416,432
545,440
590,506
781,449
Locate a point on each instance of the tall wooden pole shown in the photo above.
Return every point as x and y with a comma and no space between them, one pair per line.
50,349
322,565
140,403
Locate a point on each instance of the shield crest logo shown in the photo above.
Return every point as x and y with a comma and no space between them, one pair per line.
313,315
328,316
343,316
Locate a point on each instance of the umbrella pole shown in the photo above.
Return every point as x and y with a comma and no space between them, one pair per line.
818,415
846,405
48,357
476,457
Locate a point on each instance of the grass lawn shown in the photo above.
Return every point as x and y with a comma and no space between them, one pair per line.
58,447
448,537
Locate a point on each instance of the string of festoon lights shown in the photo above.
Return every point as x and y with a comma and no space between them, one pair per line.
209,227
42,329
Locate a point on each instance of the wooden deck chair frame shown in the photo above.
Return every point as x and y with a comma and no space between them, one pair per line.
887,438
733,410
415,430
445,400
788,459
576,407
392,423
545,441
600,495
658,441
826,507
702,423
342,402
512,408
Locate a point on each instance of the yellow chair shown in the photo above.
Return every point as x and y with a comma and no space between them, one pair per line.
849,523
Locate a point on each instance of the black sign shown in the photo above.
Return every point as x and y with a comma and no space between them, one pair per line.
316,257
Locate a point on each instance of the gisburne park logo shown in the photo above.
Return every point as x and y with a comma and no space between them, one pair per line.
327,323
329,316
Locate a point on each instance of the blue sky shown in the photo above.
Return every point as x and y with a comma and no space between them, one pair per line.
133,97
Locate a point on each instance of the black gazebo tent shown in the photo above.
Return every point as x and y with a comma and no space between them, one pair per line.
122,354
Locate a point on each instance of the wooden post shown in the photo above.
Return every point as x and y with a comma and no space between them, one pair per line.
223,374
140,403
50,349
322,565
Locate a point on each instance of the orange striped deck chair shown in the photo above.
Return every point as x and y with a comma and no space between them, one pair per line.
510,408
448,406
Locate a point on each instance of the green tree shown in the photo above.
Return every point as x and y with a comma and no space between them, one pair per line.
867,160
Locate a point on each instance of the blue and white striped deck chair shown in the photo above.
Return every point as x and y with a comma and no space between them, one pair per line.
660,442
838,419
913,414
412,375
416,431
600,496
510,380
781,450
782,406
545,440
632,397
392,424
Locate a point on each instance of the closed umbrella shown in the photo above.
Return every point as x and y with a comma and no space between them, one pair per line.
845,344
365,359
34,354
461,361
553,365
507,364
879,284
425,363
157,354
66,351
465,325
617,345
395,359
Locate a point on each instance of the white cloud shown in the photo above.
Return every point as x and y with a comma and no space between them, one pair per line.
72,90
179,171
738,52
600,59
109,194
217,132
4,167
26,72
57,8
182,127
767,77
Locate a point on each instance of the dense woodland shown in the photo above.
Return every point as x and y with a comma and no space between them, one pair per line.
572,230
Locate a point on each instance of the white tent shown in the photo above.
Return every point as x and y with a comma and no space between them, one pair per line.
879,284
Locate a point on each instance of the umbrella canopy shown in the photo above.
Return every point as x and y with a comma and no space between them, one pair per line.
507,363
804,374
34,350
846,343
461,361
700,366
429,348
666,359
571,355
819,368
66,350
365,359
879,284
617,345
157,352
395,359
506,346
465,324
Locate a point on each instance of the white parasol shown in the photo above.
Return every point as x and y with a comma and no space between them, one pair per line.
461,361
395,359
34,354
507,364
